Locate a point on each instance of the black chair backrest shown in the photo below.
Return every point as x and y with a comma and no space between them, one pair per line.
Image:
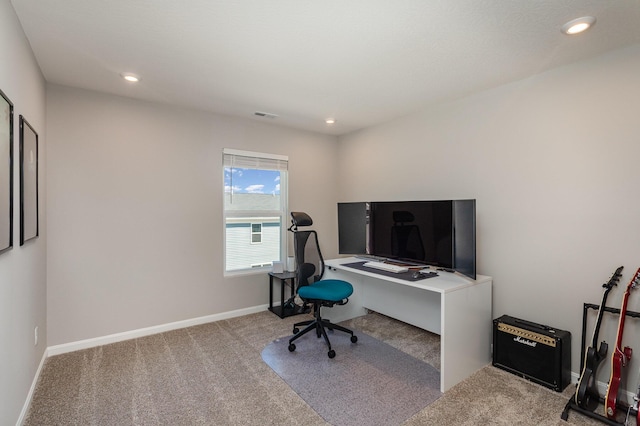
309,261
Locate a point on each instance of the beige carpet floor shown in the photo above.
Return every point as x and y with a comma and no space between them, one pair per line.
213,374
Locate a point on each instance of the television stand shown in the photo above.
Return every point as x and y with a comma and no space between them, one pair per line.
456,308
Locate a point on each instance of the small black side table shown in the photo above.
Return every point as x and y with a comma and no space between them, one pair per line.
283,311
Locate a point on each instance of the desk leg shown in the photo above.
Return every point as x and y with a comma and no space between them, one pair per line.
270,293
282,286
293,288
465,341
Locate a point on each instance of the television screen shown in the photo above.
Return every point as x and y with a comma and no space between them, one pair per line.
464,237
415,231
352,228
437,233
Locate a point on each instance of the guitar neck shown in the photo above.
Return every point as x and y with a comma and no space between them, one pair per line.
623,315
613,281
596,330
623,309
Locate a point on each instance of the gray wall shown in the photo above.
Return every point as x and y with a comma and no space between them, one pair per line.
22,269
554,163
135,217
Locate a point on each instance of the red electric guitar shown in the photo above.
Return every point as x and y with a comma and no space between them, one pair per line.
620,356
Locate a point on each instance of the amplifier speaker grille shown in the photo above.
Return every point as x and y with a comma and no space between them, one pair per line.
538,353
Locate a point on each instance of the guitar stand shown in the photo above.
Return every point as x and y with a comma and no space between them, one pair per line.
571,404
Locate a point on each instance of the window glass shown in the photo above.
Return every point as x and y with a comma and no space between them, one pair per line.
254,210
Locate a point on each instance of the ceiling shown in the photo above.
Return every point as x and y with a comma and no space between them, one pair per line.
362,62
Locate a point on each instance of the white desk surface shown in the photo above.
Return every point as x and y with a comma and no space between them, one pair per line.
445,282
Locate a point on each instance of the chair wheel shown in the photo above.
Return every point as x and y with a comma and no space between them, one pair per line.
292,347
332,354
295,330
354,339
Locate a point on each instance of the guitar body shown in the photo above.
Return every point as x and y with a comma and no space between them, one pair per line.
587,396
620,357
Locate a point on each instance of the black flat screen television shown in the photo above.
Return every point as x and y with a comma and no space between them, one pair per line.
352,228
438,233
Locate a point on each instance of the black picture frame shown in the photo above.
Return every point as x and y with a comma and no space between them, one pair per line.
6,173
29,224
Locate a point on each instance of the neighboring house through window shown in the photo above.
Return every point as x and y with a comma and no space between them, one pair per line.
255,207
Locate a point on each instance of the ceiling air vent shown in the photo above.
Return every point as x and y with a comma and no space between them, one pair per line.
265,114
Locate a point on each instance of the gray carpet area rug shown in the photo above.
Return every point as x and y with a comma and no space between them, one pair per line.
367,383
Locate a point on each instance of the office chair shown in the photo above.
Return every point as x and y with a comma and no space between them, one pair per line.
311,287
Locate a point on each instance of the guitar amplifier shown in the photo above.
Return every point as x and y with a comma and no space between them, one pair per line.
536,352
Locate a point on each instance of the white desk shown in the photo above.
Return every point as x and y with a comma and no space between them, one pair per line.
455,307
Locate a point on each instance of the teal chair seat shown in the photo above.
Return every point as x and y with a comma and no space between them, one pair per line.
329,290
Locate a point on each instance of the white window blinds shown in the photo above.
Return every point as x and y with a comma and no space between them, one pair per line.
254,160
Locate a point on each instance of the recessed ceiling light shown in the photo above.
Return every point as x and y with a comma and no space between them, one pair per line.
578,25
130,77
330,121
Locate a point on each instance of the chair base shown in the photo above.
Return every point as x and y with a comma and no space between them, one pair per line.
320,325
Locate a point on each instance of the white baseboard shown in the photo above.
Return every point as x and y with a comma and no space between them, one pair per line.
27,402
142,332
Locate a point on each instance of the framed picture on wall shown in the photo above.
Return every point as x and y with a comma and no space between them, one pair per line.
28,182
6,173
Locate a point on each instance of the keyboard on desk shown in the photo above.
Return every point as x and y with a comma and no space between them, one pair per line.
386,267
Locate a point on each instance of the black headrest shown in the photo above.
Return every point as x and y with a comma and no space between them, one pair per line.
301,219
403,216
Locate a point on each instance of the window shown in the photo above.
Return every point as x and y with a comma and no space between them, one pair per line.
256,233
255,207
